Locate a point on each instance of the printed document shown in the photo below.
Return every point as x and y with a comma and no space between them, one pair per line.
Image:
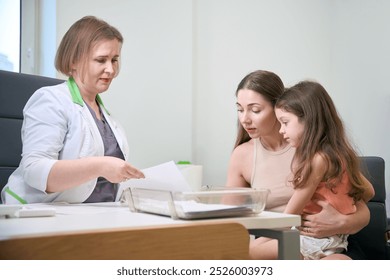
165,176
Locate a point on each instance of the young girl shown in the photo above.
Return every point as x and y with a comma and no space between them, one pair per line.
324,167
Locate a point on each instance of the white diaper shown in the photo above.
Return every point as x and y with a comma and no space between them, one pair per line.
317,248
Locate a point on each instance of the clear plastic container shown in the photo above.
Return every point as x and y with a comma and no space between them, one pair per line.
210,203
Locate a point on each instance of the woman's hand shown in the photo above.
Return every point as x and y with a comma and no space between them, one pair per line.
66,174
329,221
117,170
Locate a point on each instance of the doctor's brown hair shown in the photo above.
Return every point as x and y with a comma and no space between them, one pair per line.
79,40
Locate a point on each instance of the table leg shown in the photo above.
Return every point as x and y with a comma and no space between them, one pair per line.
289,242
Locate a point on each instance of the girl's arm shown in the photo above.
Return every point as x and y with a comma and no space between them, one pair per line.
303,195
330,222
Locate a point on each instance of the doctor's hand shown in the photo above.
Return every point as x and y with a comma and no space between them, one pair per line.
117,170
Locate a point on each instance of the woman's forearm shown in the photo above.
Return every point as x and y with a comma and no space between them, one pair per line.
329,221
66,174
355,222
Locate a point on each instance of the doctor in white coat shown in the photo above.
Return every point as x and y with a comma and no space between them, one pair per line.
73,150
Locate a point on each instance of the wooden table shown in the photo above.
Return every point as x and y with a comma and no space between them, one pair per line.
111,231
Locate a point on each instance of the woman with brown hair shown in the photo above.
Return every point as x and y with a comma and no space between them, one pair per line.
262,159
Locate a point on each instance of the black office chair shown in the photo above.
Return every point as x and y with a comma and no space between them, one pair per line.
373,239
15,90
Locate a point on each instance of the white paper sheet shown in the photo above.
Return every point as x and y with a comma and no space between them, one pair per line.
165,176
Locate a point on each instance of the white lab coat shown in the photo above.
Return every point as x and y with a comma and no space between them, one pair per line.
57,125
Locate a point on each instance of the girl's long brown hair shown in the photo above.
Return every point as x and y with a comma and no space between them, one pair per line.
324,134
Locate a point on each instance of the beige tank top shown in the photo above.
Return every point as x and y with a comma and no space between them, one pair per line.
270,171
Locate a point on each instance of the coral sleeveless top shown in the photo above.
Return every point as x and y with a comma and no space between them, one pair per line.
337,196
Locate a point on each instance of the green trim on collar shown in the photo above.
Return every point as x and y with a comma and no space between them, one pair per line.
74,92
100,101
76,95
14,195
